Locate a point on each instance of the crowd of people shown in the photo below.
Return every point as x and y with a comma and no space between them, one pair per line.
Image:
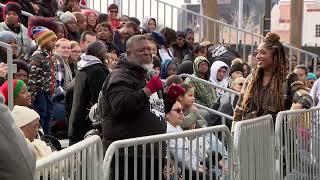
82,72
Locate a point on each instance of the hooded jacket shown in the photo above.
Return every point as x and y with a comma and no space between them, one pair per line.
88,83
213,77
164,68
23,40
204,93
126,108
145,24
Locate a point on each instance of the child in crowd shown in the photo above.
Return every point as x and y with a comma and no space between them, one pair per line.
311,78
42,74
192,118
168,68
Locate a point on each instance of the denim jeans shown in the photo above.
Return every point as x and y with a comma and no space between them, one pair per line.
44,106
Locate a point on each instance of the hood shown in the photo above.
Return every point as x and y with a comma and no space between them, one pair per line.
196,63
86,61
4,26
164,68
146,21
214,69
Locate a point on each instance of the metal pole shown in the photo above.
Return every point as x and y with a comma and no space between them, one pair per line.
240,14
267,17
10,73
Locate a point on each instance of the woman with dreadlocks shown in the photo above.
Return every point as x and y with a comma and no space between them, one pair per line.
263,92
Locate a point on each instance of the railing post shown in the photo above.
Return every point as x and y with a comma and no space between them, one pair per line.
10,72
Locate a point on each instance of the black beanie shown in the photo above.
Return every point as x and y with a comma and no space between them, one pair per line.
22,64
12,6
236,67
181,34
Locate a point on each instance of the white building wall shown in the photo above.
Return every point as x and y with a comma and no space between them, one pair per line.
310,20
275,16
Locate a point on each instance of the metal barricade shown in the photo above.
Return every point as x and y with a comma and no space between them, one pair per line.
209,83
195,154
297,140
77,162
223,116
254,149
10,72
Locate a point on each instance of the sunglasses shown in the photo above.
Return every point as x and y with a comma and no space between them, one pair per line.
179,110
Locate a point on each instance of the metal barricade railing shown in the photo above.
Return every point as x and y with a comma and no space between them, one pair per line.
254,149
185,154
79,161
297,140
209,83
223,116
10,72
168,15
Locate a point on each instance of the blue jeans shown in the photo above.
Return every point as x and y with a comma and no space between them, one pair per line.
43,105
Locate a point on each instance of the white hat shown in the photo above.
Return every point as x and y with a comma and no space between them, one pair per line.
23,115
67,16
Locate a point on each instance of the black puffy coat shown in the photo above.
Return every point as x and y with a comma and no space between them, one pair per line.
126,108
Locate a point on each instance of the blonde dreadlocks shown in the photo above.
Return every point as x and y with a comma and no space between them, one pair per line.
279,71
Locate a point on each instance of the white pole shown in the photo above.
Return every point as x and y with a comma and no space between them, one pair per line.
240,15
10,73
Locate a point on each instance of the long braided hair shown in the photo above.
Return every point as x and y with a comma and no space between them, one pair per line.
279,71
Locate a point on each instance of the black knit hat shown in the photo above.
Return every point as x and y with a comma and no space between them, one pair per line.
181,34
236,67
22,64
136,20
12,6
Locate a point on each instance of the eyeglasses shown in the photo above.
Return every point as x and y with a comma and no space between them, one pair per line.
179,110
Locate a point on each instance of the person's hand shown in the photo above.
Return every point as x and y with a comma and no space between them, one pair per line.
3,70
202,168
35,8
194,125
154,84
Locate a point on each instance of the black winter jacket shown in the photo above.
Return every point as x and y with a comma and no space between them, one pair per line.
126,108
88,83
